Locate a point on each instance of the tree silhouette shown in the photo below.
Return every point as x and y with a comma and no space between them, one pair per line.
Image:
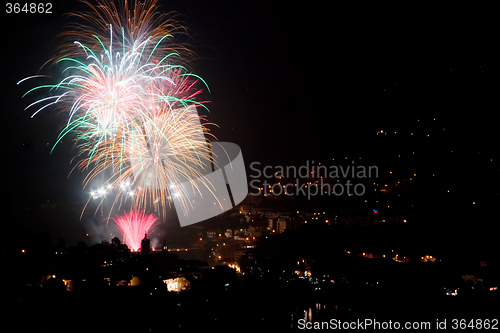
115,242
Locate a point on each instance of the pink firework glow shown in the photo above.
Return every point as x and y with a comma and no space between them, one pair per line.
134,226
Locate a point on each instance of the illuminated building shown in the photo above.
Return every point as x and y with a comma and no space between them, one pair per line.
70,286
212,233
281,225
278,225
177,284
135,281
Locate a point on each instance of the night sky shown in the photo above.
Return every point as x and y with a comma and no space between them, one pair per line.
289,84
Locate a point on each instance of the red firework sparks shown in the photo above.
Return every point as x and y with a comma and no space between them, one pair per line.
134,226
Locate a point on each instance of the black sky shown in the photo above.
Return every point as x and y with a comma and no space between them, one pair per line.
288,83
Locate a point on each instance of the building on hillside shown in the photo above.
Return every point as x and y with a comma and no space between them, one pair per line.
177,284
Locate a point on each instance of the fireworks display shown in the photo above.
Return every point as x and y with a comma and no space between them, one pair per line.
134,226
131,104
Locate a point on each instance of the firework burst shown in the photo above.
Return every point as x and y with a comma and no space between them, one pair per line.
131,103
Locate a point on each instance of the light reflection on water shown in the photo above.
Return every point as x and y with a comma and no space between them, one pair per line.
316,312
